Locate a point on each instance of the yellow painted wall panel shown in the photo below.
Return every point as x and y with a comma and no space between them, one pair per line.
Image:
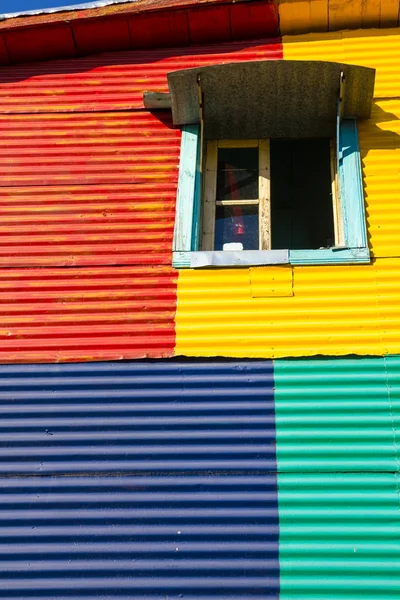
333,311
389,13
370,13
306,15
319,15
344,14
388,298
376,48
380,155
380,49
271,281
314,46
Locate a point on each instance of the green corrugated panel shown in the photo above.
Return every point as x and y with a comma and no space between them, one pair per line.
338,502
333,415
393,372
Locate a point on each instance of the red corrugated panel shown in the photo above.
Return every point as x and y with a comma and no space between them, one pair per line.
114,81
50,315
96,148
87,225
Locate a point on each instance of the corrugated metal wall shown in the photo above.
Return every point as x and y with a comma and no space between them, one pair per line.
138,480
333,311
338,478
88,181
113,81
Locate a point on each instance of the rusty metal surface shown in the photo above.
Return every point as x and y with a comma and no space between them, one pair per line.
114,81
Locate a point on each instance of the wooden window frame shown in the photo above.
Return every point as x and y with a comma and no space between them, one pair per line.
210,191
348,206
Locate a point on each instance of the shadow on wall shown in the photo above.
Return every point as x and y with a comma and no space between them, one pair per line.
375,137
113,60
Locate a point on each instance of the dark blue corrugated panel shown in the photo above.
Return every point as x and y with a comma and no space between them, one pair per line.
138,480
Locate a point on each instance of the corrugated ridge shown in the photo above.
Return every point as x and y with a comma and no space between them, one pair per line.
338,536
90,225
50,315
344,401
160,479
87,189
337,478
376,48
117,148
116,80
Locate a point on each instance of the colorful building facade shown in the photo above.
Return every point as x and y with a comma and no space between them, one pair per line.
175,432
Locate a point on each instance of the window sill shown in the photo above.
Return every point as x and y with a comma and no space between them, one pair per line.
251,258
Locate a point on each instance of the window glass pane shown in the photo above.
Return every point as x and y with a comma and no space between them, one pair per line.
237,174
237,224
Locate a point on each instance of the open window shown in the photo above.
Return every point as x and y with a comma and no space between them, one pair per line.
270,194
273,177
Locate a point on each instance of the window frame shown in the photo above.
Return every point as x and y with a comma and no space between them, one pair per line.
349,212
210,201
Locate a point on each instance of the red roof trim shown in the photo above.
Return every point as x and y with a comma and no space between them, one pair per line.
200,22
134,8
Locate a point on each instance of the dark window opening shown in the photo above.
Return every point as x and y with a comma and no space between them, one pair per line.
301,194
237,174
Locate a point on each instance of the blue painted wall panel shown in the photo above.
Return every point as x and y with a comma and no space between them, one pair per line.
138,480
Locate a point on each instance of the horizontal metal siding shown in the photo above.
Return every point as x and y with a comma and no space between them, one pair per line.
334,415
337,478
100,148
87,189
87,225
379,142
376,48
104,313
333,311
114,81
141,480
339,536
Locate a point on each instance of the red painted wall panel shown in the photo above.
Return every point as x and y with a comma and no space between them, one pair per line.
113,81
88,182
102,36
52,315
161,29
252,19
87,225
207,25
94,148
40,44
4,56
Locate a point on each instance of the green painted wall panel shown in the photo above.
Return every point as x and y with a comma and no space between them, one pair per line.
339,536
338,478
333,415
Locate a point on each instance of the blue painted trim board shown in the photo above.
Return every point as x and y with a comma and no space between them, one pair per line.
187,204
